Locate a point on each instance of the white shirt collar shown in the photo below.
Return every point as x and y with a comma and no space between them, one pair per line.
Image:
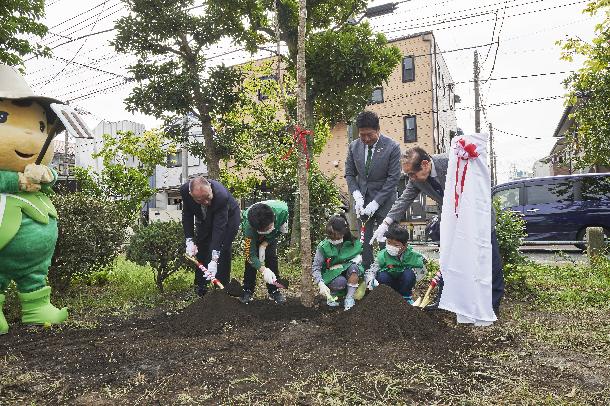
433,170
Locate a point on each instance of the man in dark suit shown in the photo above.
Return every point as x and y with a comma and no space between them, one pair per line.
427,175
210,219
372,169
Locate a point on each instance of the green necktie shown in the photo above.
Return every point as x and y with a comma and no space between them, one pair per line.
367,164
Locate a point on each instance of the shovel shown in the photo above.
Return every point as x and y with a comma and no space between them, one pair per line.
423,302
206,273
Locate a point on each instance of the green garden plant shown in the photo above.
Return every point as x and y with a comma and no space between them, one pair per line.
160,245
91,233
510,229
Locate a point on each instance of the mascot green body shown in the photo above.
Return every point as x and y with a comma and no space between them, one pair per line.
28,220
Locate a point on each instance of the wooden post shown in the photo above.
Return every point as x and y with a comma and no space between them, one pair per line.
595,241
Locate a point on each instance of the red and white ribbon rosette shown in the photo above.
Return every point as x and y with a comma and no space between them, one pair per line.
465,152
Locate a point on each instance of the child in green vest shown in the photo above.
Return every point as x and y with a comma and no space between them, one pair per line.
338,262
397,264
262,224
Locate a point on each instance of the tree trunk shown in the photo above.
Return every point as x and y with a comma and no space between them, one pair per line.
295,235
307,298
211,156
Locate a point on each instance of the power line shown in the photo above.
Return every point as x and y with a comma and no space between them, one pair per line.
481,21
517,135
77,51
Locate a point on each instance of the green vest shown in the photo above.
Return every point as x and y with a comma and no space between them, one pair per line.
338,255
35,205
394,265
254,239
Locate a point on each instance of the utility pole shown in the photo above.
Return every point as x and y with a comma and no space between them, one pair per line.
477,100
492,156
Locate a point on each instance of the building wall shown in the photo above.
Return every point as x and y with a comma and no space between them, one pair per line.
444,102
85,148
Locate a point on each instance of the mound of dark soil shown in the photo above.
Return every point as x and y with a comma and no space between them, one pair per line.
234,288
210,314
384,314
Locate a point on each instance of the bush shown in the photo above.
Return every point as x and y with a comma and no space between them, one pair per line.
160,245
510,229
91,233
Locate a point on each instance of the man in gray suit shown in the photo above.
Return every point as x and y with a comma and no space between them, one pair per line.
427,175
372,169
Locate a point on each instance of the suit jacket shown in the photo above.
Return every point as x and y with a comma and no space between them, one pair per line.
384,172
223,206
414,188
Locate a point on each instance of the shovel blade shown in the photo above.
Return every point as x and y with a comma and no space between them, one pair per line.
360,291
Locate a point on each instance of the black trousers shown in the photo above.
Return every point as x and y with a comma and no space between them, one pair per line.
204,251
270,262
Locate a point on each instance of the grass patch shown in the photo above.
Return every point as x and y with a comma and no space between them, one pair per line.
566,286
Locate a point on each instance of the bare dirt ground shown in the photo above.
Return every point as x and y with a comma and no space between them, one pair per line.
383,351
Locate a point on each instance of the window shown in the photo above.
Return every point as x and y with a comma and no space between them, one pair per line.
508,198
377,96
551,193
595,187
174,160
410,125
408,69
264,90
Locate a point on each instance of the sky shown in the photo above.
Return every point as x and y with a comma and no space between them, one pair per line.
524,35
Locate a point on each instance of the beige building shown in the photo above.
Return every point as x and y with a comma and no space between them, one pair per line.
416,108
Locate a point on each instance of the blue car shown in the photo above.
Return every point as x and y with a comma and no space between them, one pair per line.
559,208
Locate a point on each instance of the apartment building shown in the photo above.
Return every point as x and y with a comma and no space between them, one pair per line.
416,108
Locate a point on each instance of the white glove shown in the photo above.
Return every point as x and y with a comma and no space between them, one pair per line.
379,234
370,208
191,248
359,202
357,259
370,281
212,268
284,228
268,276
324,290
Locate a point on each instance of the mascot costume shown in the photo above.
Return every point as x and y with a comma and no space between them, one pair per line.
28,220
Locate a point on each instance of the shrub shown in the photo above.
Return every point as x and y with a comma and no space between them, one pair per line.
160,245
510,229
91,233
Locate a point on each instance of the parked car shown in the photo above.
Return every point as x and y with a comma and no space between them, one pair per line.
559,208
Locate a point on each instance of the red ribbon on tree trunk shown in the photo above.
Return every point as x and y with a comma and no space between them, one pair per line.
300,137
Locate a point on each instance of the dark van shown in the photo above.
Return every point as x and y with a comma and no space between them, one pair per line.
559,208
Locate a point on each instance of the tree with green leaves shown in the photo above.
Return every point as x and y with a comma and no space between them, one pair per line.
129,161
589,92
19,18
170,38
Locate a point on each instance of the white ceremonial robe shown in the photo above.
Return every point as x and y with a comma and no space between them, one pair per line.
465,245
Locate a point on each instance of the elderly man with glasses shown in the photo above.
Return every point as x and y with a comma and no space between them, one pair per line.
427,174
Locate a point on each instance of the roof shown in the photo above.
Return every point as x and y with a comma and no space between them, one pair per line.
418,34
564,122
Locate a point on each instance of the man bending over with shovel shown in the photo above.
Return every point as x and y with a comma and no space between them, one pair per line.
210,219
262,224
